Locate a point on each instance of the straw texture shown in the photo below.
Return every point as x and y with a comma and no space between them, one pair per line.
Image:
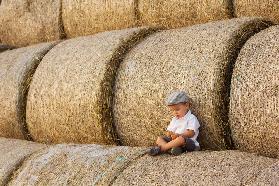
198,168
254,106
16,70
196,59
5,47
268,176
12,154
177,13
75,165
29,21
267,8
70,98
87,17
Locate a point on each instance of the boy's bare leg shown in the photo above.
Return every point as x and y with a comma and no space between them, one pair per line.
179,141
160,141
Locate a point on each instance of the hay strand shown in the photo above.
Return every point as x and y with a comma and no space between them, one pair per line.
70,97
12,154
92,16
196,59
29,21
16,70
250,8
177,13
75,165
254,106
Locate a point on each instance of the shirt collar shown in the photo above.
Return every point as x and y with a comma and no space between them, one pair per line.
186,115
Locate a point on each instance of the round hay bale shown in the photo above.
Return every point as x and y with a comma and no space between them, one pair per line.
177,13
75,165
16,70
254,105
267,8
70,98
12,154
5,47
87,17
196,59
197,168
268,176
30,21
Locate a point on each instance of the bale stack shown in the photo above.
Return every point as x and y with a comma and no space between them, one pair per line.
75,165
70,98
87,17
177,13
30,21
197,168
254,106
16,70
12,154
267,8
196,59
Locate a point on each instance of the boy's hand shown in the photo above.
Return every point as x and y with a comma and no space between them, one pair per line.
169,133
174,136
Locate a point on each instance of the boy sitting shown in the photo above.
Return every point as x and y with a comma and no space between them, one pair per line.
183,130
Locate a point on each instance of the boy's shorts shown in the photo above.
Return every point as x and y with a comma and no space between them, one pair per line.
188,146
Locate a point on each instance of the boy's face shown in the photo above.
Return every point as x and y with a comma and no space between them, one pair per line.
179,110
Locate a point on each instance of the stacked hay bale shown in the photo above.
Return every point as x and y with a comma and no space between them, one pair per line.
12,154
75,165
30,21
254,106
16,70
197,168
89,17
196,59
5,47
70,97
248,8
177,13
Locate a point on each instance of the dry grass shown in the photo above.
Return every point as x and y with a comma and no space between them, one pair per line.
70,97
197,168
75,165
29,21
16,70
177,13
12,154
254,106
196,59
86,17
267,8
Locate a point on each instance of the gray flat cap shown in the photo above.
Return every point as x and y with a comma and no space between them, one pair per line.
177,97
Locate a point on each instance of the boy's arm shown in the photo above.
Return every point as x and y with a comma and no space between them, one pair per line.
188,133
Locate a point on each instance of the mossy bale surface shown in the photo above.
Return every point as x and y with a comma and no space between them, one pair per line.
195,168
12,154
177,13
195,59
28,22
267,8
70,97
75,165
254,105
87,17
16,70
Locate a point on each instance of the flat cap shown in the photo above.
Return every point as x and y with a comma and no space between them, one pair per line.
177,97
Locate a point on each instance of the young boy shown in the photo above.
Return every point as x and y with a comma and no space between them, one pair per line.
183,130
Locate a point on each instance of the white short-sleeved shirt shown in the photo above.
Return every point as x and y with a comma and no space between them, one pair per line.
189,121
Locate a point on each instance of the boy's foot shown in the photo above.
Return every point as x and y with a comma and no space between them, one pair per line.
154,151
176,151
